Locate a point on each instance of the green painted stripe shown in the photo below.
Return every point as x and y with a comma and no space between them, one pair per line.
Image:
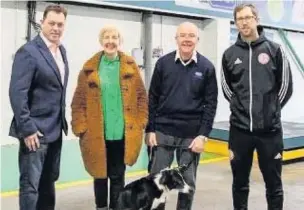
89,181
72,169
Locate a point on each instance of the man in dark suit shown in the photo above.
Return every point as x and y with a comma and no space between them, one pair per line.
37,95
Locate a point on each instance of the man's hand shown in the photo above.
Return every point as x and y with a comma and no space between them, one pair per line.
32,141
198,144
150,139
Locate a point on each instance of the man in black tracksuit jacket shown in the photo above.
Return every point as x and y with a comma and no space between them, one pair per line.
257,81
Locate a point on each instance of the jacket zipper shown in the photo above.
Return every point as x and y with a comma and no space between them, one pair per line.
250,86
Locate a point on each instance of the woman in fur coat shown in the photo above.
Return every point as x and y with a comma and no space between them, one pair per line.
109,114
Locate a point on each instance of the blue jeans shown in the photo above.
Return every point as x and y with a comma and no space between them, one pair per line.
38,172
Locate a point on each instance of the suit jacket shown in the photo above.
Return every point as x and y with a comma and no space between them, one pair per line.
36,92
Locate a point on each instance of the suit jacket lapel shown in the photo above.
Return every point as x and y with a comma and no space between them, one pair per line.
66,65
48,57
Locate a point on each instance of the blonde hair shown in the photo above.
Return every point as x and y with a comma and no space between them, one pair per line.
109,28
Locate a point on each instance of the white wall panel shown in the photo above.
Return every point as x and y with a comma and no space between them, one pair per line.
164,32
294,110
13,35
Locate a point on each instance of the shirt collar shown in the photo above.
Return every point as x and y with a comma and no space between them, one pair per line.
46,41
193,58
105,59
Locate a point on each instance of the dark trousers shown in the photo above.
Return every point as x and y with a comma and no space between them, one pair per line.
269,148
38,172
116,174
163,156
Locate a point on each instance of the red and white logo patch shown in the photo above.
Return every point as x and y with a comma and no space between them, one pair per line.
263,58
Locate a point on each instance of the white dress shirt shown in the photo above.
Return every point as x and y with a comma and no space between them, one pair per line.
193,58
54,49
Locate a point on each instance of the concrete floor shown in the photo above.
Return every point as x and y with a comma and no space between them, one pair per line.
213,191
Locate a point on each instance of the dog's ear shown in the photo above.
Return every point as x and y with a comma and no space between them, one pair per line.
163,178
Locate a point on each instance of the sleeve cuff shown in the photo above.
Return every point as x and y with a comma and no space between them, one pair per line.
150,129
28,129
77,130
204,131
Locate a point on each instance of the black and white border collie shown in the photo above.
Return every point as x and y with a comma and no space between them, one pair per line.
150,192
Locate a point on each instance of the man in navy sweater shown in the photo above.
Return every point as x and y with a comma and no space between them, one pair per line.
182,106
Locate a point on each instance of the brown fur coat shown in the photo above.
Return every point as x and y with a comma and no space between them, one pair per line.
87,117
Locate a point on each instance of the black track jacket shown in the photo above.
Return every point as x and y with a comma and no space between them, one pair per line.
256,79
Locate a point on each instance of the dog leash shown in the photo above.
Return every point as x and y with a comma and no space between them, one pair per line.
167,145
182,147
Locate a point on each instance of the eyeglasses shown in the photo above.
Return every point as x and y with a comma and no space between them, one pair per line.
246,19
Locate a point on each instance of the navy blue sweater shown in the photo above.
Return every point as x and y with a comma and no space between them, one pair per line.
182,99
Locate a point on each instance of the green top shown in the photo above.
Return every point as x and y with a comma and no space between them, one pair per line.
111,98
